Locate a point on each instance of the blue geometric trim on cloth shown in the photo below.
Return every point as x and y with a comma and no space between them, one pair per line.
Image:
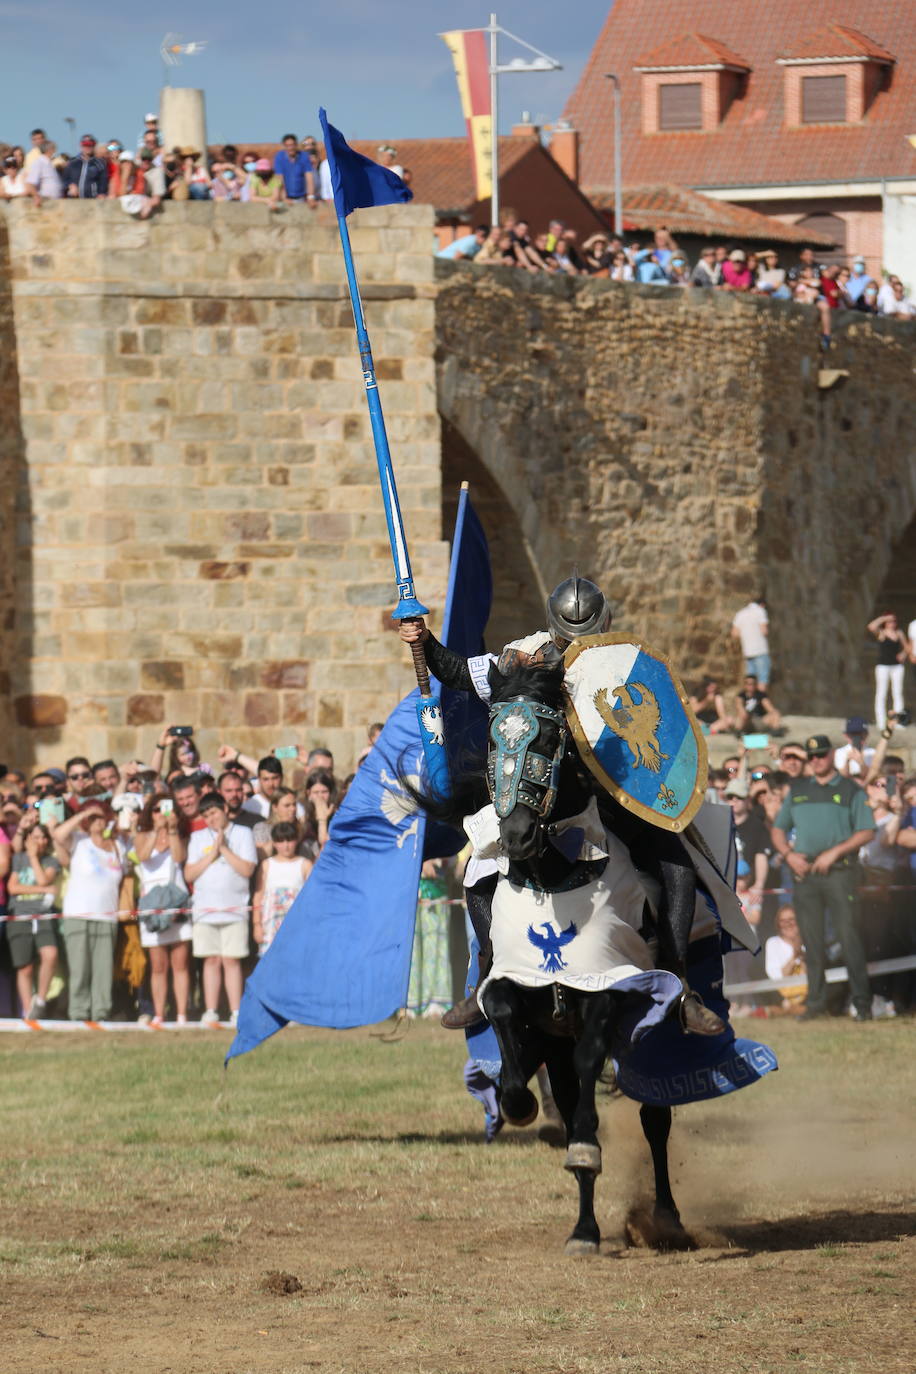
668,1068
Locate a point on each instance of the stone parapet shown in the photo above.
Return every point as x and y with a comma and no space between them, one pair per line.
682,447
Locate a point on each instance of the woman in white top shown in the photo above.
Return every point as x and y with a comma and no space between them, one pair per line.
279,879
160,849
784,956
89,847
12,182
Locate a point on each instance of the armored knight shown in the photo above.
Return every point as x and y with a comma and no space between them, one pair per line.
577,607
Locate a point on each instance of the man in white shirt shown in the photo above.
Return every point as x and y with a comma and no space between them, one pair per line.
751,625
42,178
270,780
221,861
853,759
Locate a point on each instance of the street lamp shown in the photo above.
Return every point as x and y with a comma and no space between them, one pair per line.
541,63
618,191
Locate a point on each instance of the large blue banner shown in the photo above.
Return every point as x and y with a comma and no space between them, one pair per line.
342,955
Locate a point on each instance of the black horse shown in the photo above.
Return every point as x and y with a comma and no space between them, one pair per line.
536,779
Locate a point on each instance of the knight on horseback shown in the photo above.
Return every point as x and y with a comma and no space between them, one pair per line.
577,607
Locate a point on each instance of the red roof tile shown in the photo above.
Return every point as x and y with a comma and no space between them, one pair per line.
692,50
751,146
836,40
688,212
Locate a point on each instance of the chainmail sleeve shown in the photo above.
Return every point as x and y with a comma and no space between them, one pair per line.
450,668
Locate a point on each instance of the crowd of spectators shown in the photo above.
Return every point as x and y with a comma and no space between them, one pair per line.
843,888
661,262
153,885
142,176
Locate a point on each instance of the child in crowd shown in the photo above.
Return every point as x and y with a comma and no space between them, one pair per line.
279,880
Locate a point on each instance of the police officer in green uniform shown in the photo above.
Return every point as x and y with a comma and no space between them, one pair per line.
831,820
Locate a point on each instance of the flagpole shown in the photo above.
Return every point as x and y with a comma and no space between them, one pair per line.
494,123
408,607
429,709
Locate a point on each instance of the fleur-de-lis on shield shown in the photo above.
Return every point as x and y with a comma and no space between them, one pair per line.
666,797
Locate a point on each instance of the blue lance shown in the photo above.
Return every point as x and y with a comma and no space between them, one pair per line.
359,183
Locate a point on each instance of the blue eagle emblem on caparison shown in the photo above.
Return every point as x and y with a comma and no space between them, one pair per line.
551,943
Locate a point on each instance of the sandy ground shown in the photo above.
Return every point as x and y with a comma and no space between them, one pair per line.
311,1214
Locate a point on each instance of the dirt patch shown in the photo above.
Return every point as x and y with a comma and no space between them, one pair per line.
282,1285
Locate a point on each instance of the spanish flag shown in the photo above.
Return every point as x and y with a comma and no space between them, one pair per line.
469,54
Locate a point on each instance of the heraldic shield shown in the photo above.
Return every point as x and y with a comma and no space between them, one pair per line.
635,730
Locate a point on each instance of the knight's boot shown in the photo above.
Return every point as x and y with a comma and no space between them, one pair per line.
467,1013
695,1017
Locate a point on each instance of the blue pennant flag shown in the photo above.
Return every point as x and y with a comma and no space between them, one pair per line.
341,957
357,181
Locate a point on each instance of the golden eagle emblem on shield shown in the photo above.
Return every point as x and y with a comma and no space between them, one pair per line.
636,723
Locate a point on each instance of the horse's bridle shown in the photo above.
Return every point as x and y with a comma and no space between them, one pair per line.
515,772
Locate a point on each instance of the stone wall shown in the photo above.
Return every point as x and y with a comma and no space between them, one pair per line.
677,446
200,534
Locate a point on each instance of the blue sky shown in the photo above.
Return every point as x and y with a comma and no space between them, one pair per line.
376,64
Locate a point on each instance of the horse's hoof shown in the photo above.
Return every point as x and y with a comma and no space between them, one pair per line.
581,1248
669,1232
658,1229
581,1156
519,1109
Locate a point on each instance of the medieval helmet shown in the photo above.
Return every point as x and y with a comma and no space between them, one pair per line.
577,607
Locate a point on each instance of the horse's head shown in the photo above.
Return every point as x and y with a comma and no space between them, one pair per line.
528,746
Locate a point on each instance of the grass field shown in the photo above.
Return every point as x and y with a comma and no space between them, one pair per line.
146,1198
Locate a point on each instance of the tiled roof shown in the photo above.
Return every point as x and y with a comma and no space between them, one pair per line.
836,40
751,146
688,212
692,50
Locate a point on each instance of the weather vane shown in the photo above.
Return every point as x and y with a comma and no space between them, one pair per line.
173,48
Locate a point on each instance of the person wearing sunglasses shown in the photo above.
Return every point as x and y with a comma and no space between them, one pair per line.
832,821
79,780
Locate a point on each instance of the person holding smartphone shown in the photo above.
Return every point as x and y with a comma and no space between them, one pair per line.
159,852
89,846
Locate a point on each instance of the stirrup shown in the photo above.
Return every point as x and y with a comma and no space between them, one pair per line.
695,1017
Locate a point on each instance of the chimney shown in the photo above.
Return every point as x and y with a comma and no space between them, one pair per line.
526,129
564,148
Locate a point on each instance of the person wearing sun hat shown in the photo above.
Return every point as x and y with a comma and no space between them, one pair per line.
832,820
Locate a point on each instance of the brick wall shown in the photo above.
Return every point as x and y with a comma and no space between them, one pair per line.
200,538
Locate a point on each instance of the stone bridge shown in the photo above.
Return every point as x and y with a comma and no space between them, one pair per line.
190,506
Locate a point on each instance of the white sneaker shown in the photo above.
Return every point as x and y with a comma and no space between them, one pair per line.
234,1019
37,1008
210,1018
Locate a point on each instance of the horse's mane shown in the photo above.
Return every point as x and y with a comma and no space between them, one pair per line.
469,792
534,682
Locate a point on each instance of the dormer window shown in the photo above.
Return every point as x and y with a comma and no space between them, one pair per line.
688,84
832,76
